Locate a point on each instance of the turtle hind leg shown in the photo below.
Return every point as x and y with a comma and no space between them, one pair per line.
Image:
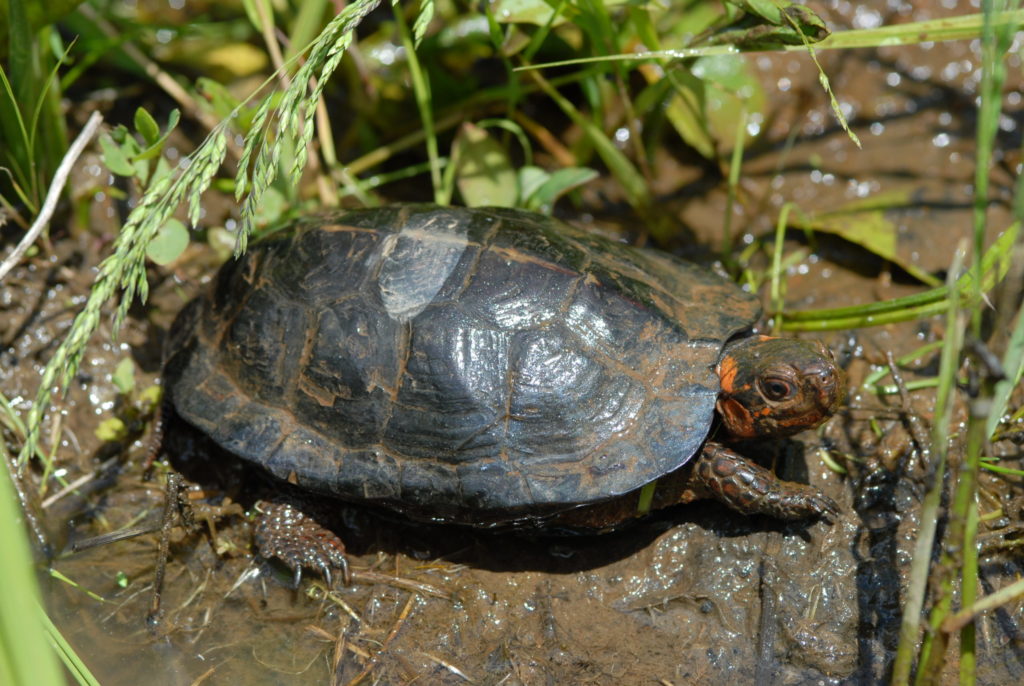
749,488
285,532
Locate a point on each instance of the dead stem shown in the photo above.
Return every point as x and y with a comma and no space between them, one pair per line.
447,665
369,577
918,431
373,661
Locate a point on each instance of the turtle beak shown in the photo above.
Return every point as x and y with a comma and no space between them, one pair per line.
830,382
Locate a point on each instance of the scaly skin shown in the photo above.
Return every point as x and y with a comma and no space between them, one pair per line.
717,473
749,488
284,532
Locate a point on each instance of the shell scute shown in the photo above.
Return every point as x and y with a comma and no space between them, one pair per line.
464,364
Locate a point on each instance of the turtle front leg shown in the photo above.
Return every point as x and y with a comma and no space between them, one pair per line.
285,532
749,488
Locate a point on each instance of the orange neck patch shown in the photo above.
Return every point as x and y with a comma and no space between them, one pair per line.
727,370
737,418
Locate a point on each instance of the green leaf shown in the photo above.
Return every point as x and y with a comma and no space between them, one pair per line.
120,133
539,12
483,174
730,88
558,184
158,144
141,171
526,12
864,223
124,376
767,24
112,429
168,244
114,158
272,207
150,397
146,126
766,9
685,111
530,179
163,169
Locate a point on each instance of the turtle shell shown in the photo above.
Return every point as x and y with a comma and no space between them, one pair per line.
463,364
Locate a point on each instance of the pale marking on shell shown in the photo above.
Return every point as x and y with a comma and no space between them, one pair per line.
417,261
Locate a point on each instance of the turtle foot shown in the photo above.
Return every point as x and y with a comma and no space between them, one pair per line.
752,489
285,532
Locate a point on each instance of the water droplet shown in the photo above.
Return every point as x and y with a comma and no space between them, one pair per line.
866,18
921,72
862,189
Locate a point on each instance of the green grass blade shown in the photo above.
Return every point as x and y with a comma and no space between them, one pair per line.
913,33
995,42
26,658
72,661
949,362
16,146
39,110
776,295
421,90
308,22
1013,365
994,267
633,183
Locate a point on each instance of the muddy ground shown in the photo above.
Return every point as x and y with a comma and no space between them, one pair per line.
689,596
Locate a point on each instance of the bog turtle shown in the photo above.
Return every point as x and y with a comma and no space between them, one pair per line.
487,367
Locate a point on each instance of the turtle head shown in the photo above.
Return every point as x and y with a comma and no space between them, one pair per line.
777,386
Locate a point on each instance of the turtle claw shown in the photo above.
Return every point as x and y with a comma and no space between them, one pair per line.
341,563
284,532
825,506
797,501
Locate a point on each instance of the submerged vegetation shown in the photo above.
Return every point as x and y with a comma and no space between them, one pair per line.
286,107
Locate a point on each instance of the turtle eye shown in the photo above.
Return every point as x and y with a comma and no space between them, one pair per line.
776,389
